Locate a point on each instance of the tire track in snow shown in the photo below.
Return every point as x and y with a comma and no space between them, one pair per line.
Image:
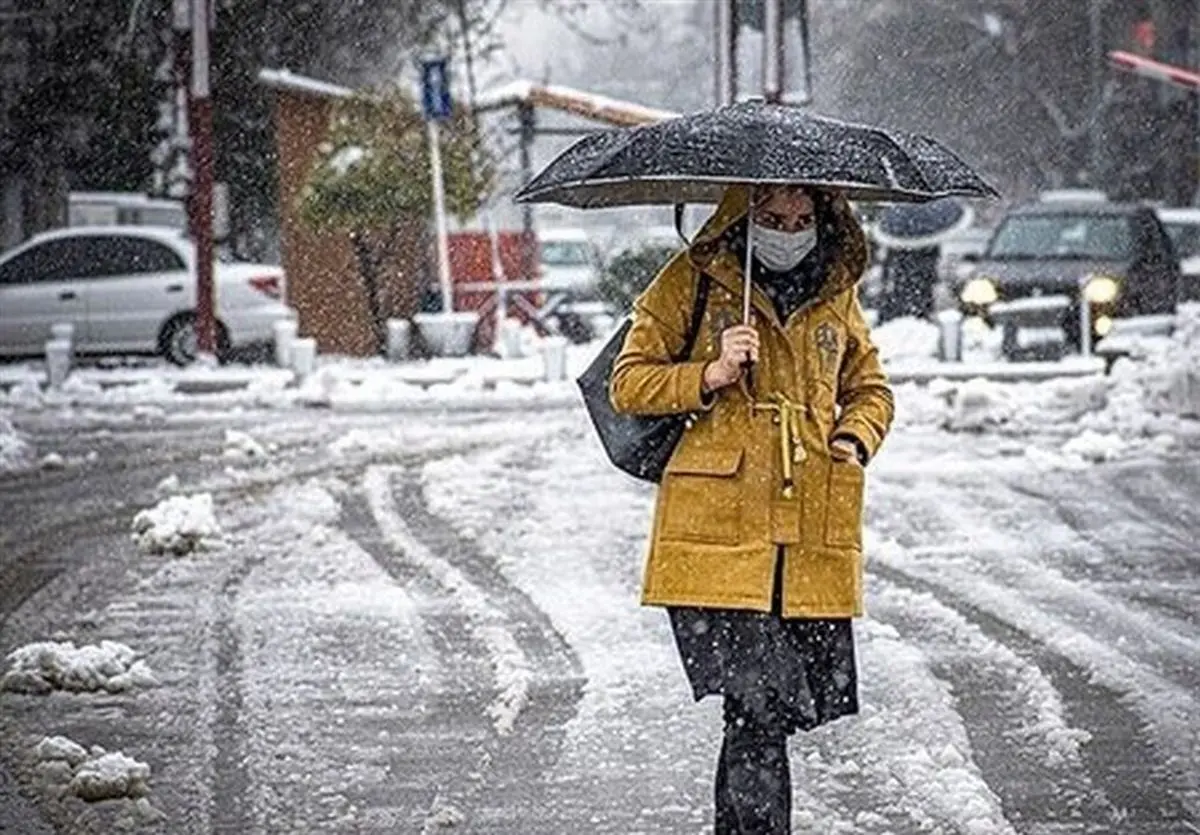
535,675
992,572
1122,760
490,628
1027,751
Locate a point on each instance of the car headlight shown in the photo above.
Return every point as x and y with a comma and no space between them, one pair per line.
979,291
1101,289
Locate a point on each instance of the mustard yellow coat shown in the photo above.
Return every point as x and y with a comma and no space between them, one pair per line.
723,507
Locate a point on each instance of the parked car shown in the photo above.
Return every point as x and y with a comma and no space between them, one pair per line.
129,290
1183,225
1046,259
570,269
569,263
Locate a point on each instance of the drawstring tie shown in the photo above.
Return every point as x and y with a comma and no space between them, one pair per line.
788,416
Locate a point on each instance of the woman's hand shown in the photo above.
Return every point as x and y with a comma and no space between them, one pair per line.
844,450
739,345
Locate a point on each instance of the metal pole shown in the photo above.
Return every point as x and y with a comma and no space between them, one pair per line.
724,88
439,211
528,126
200,206
772,72
1085,325
1096,23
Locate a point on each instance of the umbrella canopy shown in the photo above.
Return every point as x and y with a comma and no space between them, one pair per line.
694,158
922,225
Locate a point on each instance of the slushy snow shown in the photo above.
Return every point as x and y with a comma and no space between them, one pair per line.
1095,446
46,666
178,525
243,446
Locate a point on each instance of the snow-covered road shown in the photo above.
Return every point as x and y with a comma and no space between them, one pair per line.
427,621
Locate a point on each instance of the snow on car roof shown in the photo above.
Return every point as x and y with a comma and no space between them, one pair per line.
1085,207
1181,214
168,234
563,235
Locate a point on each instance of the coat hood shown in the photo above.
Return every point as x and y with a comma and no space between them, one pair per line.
849,242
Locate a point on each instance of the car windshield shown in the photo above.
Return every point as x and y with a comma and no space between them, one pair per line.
566,254
1101,237
1185,237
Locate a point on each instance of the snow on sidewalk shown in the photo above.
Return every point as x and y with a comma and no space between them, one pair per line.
43,667
178,525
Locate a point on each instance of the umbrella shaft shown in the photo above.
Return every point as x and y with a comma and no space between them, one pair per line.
747,271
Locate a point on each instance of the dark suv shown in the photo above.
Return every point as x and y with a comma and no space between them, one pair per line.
1045,260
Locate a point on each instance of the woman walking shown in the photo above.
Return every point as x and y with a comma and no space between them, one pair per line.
756,548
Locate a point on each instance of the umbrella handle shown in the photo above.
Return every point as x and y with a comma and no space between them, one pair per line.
748,368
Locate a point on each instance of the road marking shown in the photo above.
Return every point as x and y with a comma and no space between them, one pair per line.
487,623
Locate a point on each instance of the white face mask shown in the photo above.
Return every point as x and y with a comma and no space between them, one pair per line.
782,251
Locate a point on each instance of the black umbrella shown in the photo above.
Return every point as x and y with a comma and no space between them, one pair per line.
694,158
922,225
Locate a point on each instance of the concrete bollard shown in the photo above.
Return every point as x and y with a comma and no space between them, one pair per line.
554,358
950,342
58,361
304,356
63,331
510,339
285,335
399,340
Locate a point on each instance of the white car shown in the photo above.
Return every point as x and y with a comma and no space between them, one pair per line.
1183,225
569,263
127,290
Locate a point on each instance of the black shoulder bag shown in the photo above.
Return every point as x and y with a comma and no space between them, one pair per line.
640,445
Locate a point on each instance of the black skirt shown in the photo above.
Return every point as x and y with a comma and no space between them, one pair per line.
800,671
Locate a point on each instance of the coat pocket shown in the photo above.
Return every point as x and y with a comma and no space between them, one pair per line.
702,496
844,505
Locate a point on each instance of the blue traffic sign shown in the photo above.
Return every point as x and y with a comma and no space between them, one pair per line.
435,89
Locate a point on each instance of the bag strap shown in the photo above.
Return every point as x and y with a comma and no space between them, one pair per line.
700,304
680,208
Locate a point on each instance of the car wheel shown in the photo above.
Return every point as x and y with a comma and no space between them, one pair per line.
177,342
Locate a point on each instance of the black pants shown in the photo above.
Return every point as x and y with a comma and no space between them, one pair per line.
754,782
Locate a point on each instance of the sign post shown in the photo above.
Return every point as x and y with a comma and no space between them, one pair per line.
201,202
436,104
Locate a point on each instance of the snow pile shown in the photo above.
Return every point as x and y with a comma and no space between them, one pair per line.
442,817
908,338
15,451
242,446
42,667
95,775
981,343
53,461
178,525
1095,446
1166,372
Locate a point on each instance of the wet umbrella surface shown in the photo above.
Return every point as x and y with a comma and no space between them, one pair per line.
693,158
